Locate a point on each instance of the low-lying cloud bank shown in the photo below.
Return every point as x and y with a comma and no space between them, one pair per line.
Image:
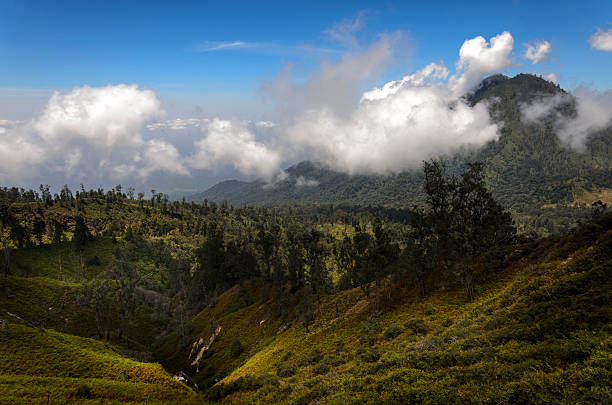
593,113
117,132
89,133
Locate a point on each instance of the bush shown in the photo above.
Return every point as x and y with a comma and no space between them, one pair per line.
314,356
83,391
286,356
94,261
321,368
371,356
369,331
285,370
236,349
417,326
392,332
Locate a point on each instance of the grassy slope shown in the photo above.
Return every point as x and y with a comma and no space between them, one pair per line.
539,333
37,364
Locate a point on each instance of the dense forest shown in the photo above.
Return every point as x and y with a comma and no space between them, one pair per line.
223,296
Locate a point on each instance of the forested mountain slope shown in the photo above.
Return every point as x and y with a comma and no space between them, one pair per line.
528,169
299,304
538,332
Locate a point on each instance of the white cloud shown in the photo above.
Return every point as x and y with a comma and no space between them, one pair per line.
393,133
212,46
538,51
593,114
552,77
104,117
396,126
601,40
176,124
232,142
302,181
433,71
89,133
265,124
336,86
344,31
478,58
160,155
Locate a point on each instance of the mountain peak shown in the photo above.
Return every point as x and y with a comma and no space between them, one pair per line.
522,87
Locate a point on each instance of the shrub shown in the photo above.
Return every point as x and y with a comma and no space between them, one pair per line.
83,391
369,331
321,368
417,326
285,370
94,261
314,356
392,332
236,349
371,356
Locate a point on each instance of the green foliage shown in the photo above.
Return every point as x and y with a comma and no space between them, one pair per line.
286,369
236,349
83,391
392,332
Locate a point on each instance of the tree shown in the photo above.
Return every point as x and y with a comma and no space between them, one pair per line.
464,220
97,295
479,222
58,231
420,254
39,229
7,247
314,255
127,279
131,192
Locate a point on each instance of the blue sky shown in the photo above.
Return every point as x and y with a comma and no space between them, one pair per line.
62,44
250,73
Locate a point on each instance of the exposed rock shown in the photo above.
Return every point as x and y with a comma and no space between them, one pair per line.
200,347
184,378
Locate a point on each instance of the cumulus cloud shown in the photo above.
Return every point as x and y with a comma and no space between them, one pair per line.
396,126
234,142
478,58
88,133
593,113
104,117
160,155
553,77
538,51
396,132
601,40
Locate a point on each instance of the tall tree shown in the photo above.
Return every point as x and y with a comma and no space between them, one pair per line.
127,279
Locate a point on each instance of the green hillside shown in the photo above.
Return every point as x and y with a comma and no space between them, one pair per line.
43,366
539,332
105,298
529,171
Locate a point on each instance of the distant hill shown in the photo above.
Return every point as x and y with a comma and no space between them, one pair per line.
528,169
